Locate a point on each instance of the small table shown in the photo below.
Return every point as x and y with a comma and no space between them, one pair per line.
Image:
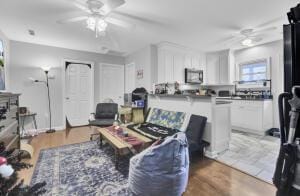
24,145
23,118
120,146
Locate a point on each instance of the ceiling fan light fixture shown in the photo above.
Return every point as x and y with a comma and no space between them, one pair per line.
101,26
247,42
91,23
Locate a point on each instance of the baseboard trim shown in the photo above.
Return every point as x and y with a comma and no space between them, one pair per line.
43,130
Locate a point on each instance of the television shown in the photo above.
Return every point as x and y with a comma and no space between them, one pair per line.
2,66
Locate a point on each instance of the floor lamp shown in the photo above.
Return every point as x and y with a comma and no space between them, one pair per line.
46,70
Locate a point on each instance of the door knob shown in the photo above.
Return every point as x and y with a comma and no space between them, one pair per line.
67,98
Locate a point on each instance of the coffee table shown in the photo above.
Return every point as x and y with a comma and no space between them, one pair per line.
120,146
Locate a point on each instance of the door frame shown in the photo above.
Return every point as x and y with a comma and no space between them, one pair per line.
101,72
63,67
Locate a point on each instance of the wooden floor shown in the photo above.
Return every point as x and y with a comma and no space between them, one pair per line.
207,177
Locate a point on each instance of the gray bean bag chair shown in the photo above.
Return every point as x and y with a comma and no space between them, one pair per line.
161,170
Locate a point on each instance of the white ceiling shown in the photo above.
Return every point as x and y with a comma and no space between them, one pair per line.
198,24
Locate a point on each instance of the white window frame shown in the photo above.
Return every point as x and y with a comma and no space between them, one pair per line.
268,67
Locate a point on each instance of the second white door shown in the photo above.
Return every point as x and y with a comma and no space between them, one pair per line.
129,77
112,83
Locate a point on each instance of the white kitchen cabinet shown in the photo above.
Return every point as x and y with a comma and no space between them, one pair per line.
188,61
212,66
179,68
223,69
173,59
252,116
169,67
218,69
195,62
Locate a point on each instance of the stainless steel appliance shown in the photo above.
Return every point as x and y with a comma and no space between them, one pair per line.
224,93
193,76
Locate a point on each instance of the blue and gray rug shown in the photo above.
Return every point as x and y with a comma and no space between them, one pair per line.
81,169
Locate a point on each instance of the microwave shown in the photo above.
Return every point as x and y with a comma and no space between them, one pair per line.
193,76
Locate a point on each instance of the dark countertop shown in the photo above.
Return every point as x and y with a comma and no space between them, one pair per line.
243,99
192,96
183,96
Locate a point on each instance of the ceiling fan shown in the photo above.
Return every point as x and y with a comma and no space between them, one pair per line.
97,15
249,37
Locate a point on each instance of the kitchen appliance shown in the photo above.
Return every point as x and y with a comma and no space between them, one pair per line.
291,35
193,76
224,93
140,95
287,173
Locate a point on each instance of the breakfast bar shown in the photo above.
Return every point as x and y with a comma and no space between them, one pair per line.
218,127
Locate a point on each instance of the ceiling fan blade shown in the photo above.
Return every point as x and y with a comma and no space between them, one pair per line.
137,19
256,39
110,5
81,6
233,40
255,32
119,23
273,21
70,20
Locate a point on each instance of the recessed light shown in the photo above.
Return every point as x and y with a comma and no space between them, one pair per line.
31,32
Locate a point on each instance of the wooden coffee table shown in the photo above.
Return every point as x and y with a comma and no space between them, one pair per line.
120,146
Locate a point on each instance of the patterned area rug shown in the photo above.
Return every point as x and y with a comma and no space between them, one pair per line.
81,169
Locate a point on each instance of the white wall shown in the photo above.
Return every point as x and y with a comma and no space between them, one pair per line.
146,60
27,60
6,44
273,50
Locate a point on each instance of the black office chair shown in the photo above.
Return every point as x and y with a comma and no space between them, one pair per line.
194,134
105,115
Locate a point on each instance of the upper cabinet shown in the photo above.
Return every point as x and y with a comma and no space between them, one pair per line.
219,67
173,59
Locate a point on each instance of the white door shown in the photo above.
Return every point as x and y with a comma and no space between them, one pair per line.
129,77
112,83
79,94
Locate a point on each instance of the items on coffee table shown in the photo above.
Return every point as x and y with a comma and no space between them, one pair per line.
123,140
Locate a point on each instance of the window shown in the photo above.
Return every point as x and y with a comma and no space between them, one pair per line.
256,70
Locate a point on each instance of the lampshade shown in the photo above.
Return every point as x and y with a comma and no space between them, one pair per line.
46,68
